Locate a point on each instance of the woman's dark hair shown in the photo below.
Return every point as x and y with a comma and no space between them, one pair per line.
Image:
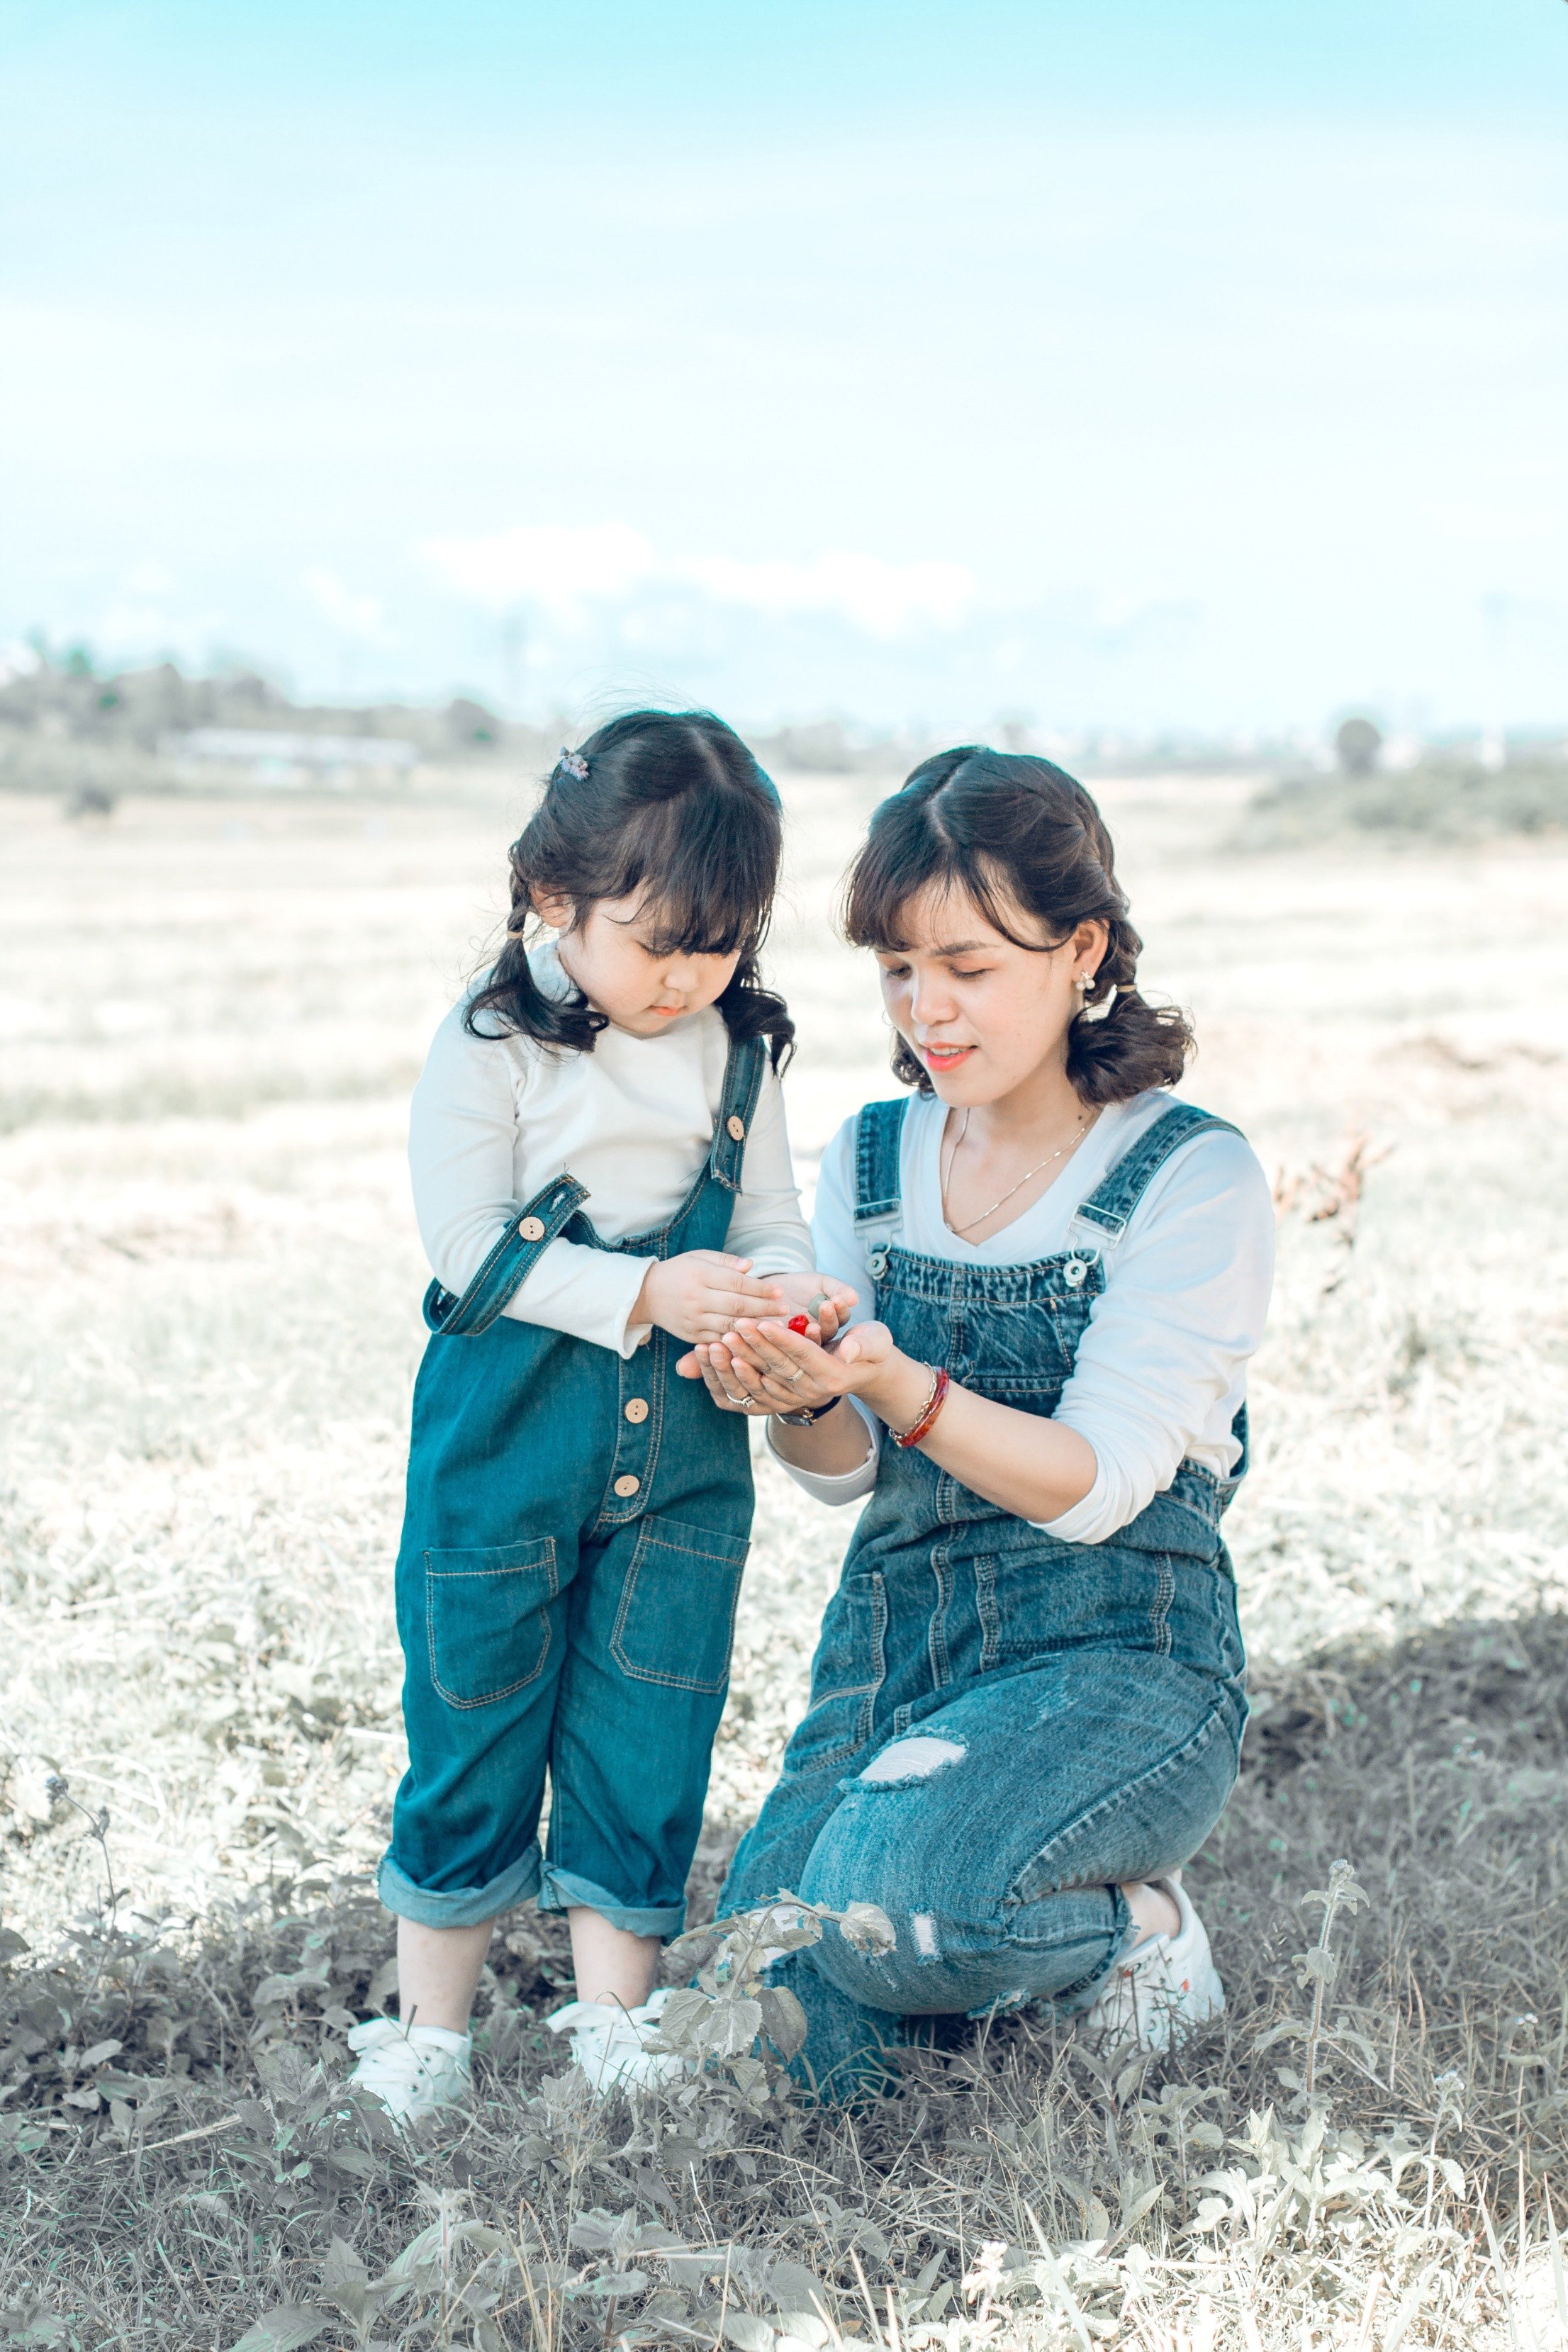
1015,835
669,805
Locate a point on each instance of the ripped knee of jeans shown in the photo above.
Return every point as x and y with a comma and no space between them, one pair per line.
910,1760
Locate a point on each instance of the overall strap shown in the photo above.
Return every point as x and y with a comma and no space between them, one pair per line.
742,1084
508,1264
1111,1204
878,1133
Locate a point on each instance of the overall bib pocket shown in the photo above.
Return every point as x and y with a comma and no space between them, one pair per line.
488,1614
677,1618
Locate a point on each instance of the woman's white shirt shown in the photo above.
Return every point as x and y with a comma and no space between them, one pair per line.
1161,1370
493,1120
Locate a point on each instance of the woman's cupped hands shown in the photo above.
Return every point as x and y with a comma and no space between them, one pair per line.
780,1363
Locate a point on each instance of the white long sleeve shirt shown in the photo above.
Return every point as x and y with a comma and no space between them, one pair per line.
494,1120
1161,1370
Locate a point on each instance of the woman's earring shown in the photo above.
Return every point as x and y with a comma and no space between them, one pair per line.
1087,1011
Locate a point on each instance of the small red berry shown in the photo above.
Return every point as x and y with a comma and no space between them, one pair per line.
799,1323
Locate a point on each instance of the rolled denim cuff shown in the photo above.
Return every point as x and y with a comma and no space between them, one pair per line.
467,1907
1074,1998
560,1889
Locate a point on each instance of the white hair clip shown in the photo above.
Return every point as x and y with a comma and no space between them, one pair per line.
575,764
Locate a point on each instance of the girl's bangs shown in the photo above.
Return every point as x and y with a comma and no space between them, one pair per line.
706,888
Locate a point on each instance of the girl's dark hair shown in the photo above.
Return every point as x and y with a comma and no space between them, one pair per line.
1015,835
672,806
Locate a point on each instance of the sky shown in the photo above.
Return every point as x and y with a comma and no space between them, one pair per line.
934,365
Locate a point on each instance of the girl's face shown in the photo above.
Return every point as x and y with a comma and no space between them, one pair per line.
984,1016
607,954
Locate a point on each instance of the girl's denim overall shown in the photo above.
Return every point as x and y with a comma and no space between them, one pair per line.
1002,1727
572,1550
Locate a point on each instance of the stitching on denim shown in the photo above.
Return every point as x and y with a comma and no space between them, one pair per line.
987,1610
1028,1286
866,1693
936,1629
1157,1774
879,1134
1111,1204
742,1086
493,1286
519,1568
646,1538
1160,1614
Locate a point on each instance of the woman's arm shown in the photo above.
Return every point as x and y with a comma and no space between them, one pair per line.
1171,1335
1034,1468
1182,1311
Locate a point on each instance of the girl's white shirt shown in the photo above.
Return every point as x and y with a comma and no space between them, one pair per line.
1161,1370
492,1121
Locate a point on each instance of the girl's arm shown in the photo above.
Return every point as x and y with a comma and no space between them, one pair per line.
1165,1343
462,1138
767,1226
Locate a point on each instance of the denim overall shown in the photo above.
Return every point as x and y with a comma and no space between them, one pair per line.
1002,1727
572,1543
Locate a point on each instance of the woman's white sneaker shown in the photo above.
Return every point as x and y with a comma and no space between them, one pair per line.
413,2072
611,2043
1161,1989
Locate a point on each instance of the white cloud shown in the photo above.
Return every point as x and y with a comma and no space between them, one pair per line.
544,564
883,599
560,568
149,580
357,617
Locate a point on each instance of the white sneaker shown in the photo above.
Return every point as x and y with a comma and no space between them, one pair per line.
413,2073
610,2043
1159,1991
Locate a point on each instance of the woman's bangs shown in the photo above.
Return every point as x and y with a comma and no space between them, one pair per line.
889,878
912,852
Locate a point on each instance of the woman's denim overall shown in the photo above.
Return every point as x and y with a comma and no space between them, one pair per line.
1002,1727
572,1543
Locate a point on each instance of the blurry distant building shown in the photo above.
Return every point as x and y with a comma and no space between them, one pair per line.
270,756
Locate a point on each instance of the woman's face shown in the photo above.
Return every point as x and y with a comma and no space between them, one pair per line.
984,1014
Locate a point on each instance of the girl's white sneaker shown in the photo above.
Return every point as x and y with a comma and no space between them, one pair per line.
1159,1991
413,2073
610,2043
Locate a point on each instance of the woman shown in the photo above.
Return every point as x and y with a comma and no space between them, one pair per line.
1028,1701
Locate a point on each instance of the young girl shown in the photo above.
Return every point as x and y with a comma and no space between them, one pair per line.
600,1168
1028,1701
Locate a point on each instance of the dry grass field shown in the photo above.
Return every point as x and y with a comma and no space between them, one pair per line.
211,1013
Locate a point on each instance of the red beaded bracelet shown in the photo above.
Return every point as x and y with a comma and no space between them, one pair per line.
940,1385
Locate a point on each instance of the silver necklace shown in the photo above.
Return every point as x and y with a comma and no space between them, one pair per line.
1071,1145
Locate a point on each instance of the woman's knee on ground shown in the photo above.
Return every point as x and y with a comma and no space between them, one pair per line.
889,1842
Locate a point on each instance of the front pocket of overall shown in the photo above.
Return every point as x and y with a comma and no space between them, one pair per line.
677,1617
488,1616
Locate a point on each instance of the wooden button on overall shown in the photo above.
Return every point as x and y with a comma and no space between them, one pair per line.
626,1488
636,1409
532,1229
737,1125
